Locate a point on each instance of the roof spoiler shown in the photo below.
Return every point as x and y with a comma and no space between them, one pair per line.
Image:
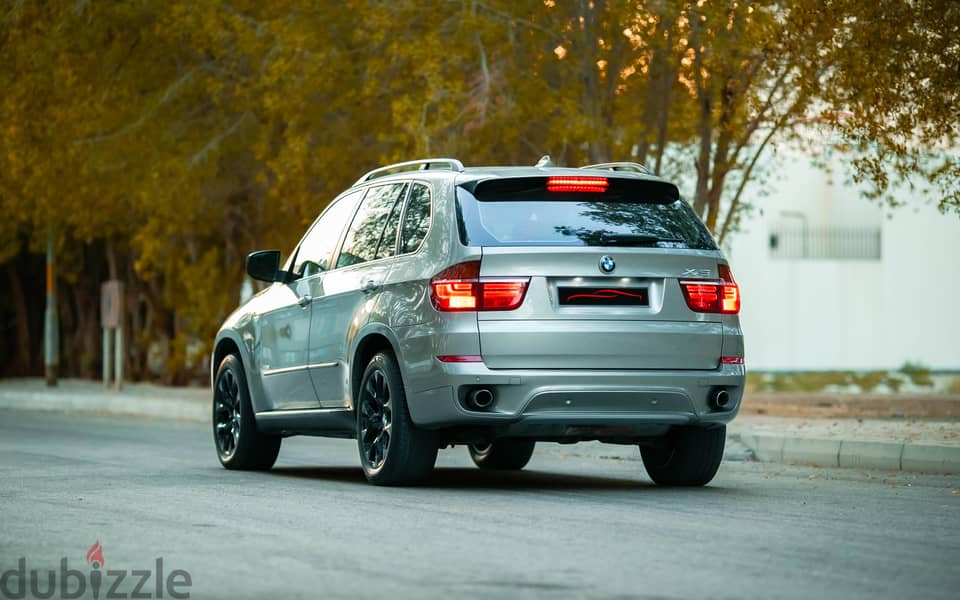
620,189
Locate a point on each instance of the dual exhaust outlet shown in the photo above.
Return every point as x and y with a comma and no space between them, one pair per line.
482,399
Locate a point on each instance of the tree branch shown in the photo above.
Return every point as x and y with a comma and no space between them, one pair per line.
735,203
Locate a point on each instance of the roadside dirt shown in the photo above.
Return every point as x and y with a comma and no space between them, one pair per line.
856,406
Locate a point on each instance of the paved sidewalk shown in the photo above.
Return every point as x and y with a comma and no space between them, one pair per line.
910,444
136,399
925,445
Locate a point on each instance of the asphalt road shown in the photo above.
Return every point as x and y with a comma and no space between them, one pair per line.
580,522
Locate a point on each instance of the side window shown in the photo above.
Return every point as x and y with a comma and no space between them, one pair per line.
388,241
319,243
369,225
416,222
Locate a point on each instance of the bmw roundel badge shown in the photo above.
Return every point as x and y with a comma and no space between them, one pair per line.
607,264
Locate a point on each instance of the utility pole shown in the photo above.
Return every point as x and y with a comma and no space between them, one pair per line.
51,325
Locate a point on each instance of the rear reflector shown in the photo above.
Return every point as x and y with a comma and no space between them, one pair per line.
460,288
460,358
577,184
712,296
731,360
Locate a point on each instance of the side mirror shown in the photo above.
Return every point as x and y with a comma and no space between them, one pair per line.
264,265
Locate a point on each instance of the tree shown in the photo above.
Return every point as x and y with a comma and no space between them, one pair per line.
162,141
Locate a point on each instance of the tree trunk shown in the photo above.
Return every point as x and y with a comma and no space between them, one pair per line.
591,99
701,198
705,123
659,84
22,364
111,260
68,330
721,158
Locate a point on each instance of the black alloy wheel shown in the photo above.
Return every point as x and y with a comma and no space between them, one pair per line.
376,418
393,450
239,443
226,414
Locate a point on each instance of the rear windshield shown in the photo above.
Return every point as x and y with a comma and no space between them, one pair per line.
578,219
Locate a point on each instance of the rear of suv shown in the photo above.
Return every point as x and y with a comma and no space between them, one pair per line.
434,305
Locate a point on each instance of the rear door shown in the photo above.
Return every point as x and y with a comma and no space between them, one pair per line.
358,275
604,271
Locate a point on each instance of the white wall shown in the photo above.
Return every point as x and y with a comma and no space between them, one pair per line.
802,314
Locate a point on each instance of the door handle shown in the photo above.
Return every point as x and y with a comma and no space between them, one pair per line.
305,301
369,286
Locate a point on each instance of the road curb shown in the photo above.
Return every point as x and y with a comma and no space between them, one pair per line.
823,452
107,401
874,455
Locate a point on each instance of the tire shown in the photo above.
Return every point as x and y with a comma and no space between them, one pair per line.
503,455
238,443
690,457
393,451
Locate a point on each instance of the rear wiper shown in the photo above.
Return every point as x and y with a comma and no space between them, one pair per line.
635,239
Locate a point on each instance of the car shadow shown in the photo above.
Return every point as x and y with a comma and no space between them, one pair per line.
476,479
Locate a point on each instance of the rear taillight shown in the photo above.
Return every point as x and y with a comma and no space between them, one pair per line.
460,288
711,296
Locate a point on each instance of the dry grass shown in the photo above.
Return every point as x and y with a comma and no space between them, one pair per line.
818,381
954,387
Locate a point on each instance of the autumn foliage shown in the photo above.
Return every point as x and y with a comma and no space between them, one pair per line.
161,140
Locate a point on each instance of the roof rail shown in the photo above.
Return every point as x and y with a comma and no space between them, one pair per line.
621,166
451,164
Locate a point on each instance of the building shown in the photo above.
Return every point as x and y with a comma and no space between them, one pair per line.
832,281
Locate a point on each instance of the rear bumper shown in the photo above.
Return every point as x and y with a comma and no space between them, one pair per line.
559,403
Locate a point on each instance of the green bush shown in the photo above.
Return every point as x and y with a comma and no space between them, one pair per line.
918,374
868,381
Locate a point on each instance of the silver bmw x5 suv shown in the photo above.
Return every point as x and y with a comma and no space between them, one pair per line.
431,305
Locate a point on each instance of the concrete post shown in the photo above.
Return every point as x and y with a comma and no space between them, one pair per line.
106,356
51,326
118,367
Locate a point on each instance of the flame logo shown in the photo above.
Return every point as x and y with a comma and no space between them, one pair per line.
605,295
95,555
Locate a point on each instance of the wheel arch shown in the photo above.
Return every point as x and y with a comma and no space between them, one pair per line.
368,344
224,347
230,342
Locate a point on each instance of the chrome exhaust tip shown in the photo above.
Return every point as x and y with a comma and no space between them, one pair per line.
719,399
480,399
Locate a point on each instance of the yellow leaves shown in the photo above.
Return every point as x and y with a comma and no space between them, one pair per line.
181,126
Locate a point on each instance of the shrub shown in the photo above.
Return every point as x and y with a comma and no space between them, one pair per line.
918,374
